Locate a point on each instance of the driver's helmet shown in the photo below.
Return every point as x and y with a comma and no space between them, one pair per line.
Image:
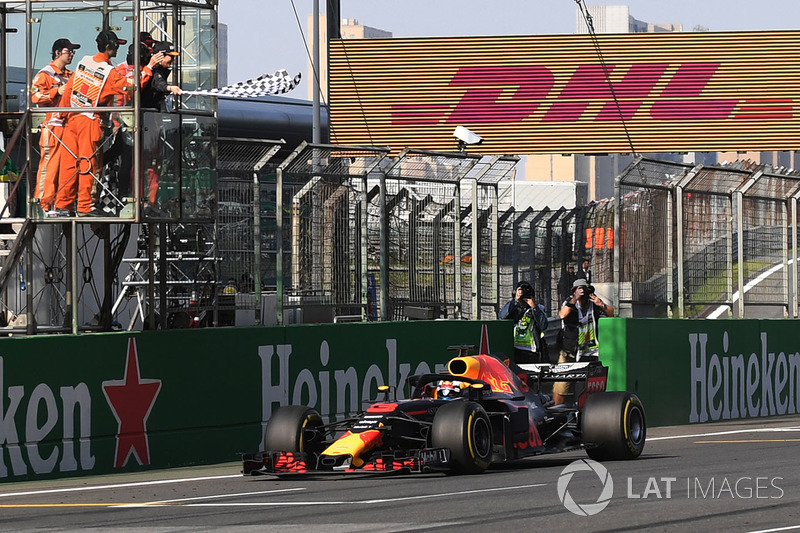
447,389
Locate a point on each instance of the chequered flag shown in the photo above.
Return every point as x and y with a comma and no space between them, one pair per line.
278,83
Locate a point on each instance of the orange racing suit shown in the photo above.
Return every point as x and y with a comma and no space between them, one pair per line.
45,94
94,84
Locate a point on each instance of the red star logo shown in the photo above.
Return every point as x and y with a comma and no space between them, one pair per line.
131,400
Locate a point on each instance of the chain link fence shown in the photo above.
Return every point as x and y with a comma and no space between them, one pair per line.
422,235
411,255
379,238
707,241
540,246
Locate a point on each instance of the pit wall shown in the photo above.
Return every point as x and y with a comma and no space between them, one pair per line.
121,402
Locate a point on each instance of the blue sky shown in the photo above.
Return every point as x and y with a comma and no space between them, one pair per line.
264,35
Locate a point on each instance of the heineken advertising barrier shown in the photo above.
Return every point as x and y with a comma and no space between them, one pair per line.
117,402
120,402
690,371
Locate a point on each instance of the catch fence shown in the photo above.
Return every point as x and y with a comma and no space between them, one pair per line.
415,254
707,241
427,235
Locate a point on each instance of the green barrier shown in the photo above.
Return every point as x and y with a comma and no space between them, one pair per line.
117,402
692,371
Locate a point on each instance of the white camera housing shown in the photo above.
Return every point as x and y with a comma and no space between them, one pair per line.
466,136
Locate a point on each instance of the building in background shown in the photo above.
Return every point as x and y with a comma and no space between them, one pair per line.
539,195
350,29
222,55
618,19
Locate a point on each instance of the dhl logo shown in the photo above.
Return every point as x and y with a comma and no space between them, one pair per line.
655,91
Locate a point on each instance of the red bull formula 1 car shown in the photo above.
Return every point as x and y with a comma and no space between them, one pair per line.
484,410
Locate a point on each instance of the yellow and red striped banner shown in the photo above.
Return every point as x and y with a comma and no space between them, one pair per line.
675,92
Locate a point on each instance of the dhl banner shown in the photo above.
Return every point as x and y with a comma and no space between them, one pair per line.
674,92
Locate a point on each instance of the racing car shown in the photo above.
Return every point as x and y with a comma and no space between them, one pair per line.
484,410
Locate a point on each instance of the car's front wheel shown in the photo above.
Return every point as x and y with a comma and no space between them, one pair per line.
294,428
613,426
464,428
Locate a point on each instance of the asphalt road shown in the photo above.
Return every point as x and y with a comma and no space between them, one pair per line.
736,476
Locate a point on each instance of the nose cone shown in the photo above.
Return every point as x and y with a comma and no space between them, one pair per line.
354,445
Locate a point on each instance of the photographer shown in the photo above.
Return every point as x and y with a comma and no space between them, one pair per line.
579,331
531,323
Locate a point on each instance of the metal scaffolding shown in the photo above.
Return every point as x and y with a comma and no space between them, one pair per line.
157,168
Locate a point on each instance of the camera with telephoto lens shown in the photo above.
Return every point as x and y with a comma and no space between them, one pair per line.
527,291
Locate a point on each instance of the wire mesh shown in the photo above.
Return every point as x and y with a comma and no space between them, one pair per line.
325,242
515,249
488,303
775,186
235,225
765,239
423,165
493,170
653,174
239,161
599,243
269,235
645,224
570,223
467,279
708,251
716,180
422,258
539,246
715,202
333,161
425,213
548,254
242,157
429,222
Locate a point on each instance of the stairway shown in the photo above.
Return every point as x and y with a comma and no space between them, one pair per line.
13,232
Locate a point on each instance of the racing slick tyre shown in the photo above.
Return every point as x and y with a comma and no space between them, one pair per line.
464,428
294,428
613,426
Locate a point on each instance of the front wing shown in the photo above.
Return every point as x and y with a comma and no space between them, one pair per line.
398,462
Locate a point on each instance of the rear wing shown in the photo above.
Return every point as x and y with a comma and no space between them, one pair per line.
581,371
591,376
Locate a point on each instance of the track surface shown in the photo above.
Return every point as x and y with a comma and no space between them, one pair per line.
737,476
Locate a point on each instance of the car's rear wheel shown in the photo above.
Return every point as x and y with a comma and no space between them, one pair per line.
613,426
464,428
294,428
